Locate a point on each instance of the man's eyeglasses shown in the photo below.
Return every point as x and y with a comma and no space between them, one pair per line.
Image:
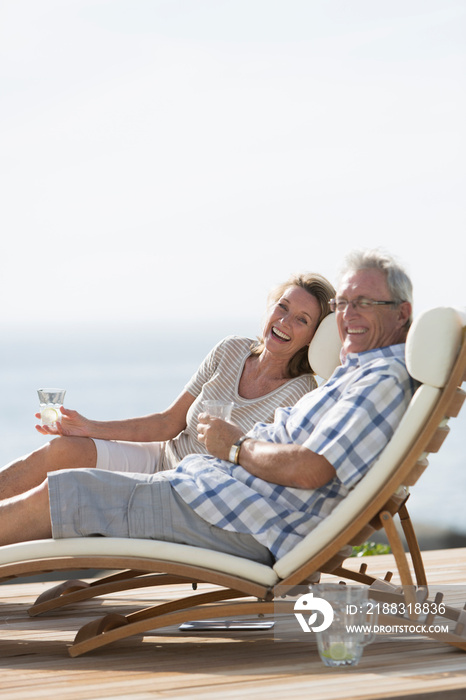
361,303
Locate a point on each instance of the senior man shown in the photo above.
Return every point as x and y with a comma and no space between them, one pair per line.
259,494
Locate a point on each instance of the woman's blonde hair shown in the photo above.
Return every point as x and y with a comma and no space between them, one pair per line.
320,288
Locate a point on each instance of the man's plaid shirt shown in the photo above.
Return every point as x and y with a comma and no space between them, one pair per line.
348,420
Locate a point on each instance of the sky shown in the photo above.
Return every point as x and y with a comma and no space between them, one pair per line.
169,161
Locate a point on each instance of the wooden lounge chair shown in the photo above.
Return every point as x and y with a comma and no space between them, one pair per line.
436,357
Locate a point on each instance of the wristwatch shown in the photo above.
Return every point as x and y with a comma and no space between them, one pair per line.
235,448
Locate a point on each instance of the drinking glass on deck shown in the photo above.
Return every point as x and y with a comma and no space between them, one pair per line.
50,401
218,409
354,619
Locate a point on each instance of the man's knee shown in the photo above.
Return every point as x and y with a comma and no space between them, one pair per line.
70,452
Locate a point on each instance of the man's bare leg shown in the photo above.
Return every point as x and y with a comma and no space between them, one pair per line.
31,470
26,517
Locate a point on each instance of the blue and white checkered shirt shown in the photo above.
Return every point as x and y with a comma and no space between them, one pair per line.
348,420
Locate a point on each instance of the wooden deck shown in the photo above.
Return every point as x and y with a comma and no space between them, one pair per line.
34,661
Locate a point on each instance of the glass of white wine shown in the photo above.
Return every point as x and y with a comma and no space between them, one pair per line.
218,409
50,401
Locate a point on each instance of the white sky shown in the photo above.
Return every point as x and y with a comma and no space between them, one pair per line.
171,160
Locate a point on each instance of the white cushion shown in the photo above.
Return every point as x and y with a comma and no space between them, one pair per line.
325,347
149,549
432,344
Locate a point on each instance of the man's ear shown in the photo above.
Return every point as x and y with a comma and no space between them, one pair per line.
404,313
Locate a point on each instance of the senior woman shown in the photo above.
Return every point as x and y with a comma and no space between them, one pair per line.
257,376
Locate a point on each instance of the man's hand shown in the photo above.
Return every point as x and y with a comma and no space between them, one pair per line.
217,435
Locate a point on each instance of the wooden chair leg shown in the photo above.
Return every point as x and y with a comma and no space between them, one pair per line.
114,627
71,592
397,548
400,558
413,546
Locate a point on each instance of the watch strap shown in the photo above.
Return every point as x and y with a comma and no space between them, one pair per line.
235,448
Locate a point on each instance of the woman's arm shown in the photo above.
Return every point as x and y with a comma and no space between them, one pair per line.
156,427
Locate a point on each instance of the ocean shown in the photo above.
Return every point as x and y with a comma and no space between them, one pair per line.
112,373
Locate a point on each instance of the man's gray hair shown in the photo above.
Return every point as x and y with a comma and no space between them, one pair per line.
399,283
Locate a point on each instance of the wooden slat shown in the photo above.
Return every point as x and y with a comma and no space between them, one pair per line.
416,472
437,439
456,403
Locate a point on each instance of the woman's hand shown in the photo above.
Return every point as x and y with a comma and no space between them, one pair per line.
217,435
72,423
